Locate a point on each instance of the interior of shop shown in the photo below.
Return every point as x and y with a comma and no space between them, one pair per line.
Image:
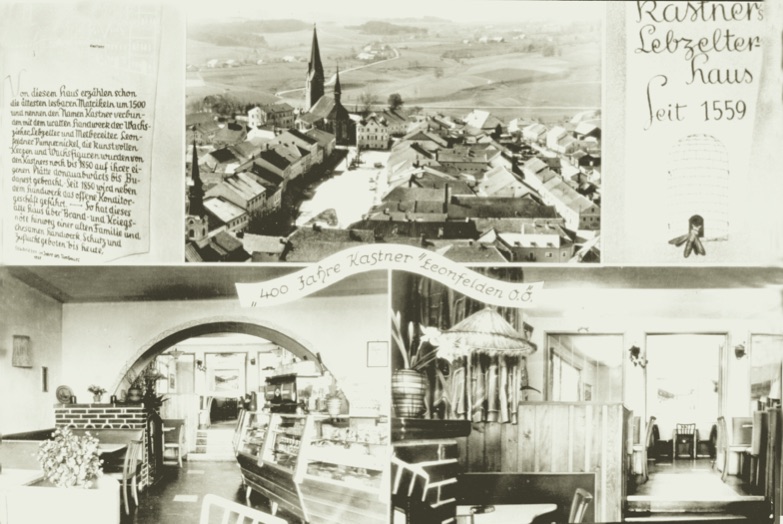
200,383
620,394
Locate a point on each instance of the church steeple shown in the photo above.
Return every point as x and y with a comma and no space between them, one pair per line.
338,88
314,84
197,190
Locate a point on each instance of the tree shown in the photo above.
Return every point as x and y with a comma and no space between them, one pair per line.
395,101
366,100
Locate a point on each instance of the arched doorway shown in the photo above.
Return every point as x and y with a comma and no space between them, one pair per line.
289,341
197,405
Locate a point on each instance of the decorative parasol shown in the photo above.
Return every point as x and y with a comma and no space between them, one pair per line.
486,332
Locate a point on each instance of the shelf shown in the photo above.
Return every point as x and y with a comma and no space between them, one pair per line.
343,457
423,429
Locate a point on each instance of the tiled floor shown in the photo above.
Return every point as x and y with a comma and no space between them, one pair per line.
176,499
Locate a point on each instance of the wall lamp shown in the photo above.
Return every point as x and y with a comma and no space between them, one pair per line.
739,351
634,353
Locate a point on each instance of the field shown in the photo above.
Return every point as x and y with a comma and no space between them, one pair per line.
447,70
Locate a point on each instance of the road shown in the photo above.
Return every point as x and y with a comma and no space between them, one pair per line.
332,78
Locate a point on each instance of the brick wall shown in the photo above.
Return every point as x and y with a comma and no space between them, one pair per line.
108,416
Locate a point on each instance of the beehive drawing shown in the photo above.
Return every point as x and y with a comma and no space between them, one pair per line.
698,184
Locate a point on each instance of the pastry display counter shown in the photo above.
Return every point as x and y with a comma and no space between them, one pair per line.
321,469
343,474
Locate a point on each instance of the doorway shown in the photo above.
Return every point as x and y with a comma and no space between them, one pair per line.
685,379
684,388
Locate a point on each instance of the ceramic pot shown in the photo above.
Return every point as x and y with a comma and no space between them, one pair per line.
408,390
134,394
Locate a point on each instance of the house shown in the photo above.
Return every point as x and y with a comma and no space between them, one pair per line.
274,185
578,211
372,133
263,248
468,159
482,120
535,133
224,160
225,214
500,182
273,161
326,141
543,241
396,121
315,154
277,115
242,190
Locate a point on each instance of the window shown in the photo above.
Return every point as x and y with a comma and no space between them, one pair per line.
566,380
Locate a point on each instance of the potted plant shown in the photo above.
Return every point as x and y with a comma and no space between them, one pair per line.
409,384
97,392
68,460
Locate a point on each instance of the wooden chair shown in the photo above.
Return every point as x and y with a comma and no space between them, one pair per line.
685,434
641,448
174,439
227,509
130,472
582,499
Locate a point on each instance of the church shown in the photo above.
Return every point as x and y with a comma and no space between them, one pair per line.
322,111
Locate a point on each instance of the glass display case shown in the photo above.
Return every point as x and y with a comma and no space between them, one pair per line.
284,440
251,432
348,451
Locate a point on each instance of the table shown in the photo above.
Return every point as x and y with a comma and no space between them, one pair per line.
503,513
111,447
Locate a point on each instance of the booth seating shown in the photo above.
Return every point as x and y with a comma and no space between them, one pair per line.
571,492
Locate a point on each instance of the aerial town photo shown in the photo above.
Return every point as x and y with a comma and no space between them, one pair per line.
469,129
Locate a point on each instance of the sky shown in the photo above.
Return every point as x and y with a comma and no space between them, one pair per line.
460,11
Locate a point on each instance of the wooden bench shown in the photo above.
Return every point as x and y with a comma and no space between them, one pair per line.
491,489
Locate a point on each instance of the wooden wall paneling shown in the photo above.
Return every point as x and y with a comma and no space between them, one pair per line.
493,446
476,459
526,452
560,420
543,437
580,433
509,441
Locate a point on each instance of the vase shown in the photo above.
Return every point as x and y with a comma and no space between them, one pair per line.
333,406
96,398
409,388
134,394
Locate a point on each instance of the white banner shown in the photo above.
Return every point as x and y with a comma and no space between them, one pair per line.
388,256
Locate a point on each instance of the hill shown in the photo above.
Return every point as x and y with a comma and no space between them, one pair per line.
385,28
246,33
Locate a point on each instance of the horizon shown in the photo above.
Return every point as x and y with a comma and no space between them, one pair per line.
352,11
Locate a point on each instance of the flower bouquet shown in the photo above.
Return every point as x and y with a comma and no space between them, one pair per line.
68,460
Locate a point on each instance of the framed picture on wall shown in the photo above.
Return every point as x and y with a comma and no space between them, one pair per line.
377,354
226,380
172,382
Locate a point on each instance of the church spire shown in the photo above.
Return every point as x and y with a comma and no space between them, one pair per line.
338,88
314,84
197,190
